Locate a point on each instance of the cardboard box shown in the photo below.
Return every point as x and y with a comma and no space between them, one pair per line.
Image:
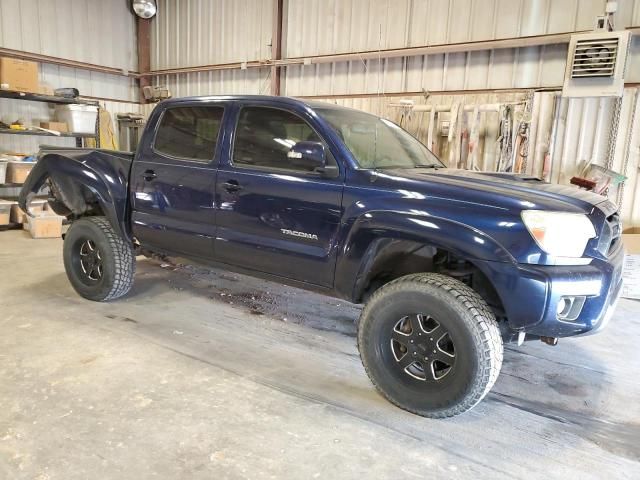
5,211
19,75
45,90
631,275
17,172
45,225
57,126
19,216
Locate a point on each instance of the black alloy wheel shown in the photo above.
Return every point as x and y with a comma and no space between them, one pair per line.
422,347
90,261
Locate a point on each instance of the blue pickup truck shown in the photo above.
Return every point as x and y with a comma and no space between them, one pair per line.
449,264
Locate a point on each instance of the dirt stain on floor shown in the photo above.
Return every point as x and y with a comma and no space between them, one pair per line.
565,386
259,297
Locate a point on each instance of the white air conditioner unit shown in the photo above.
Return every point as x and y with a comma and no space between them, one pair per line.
596,64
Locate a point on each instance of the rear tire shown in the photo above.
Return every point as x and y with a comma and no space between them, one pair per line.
430,344
100,264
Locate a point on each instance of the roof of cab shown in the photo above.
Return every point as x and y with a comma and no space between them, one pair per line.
269,98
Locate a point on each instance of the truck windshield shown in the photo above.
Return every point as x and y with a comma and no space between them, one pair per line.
376,142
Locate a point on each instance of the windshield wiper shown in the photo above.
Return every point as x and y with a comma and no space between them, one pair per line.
431,165
392,167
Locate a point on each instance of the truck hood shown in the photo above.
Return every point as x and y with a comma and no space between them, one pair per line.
499,189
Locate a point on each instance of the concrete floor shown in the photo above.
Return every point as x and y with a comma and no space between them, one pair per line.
206,374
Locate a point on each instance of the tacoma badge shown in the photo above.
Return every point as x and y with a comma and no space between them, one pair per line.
310,236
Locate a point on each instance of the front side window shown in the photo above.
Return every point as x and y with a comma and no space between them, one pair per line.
264,136
189,132
376,142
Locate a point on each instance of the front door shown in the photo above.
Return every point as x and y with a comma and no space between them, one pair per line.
173,182
274,216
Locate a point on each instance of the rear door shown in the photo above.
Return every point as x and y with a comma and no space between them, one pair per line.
173,180
274,216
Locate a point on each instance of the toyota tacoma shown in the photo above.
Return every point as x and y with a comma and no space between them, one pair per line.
449,264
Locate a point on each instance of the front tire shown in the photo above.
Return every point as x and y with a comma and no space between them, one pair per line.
430,344
100,264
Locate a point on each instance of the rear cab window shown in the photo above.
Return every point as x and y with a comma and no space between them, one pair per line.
189,133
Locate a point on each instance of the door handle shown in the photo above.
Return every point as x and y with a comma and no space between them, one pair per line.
149,175
232,186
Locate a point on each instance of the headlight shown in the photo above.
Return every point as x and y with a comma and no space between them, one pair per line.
560,234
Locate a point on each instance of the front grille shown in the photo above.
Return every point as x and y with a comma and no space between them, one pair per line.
611,235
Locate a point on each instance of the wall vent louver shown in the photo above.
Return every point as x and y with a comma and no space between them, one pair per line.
595,64
595,58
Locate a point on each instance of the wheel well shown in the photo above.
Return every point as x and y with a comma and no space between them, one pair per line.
93,207
403,257
81,201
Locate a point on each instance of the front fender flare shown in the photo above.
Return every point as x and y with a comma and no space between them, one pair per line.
373,232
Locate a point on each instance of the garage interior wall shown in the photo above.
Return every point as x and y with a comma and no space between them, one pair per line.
570,132
233,47
92,31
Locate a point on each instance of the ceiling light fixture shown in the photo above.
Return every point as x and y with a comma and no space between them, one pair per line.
145,8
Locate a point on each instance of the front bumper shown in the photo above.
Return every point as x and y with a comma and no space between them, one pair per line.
530,294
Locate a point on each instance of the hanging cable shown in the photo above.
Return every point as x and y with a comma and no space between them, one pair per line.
505,140
627,152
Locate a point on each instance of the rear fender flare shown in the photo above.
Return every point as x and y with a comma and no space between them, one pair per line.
71,178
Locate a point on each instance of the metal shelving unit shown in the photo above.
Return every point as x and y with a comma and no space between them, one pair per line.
39,133
36,97
11,190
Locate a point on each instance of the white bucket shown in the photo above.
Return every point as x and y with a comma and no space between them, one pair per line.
79,118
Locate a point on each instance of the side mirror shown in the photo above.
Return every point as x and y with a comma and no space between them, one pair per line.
309,155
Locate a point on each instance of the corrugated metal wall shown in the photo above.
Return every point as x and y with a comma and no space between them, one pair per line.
93,31
202,32
361,25
490,69
199,32
316,27
218,82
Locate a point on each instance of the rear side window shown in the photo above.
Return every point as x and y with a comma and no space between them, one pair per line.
189,132
264,136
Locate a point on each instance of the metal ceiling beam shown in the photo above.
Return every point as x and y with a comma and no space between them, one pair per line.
463,47
143,30
64,62
212,67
